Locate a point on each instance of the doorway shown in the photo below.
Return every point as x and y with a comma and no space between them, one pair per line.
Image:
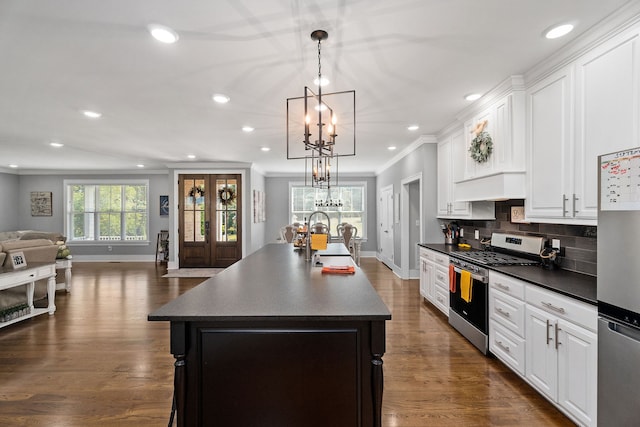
210,220
411,230
386,226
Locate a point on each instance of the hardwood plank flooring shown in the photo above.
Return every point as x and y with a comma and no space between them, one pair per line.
99,362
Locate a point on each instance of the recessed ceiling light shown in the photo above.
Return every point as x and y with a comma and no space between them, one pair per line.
247,129
321,107
391,147
56,144
13,166
140,165
413,127
323,81
220,98
266,149
163,34
92,114
558,31
191,156
473,96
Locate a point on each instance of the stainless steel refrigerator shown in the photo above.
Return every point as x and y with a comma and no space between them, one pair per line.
619,289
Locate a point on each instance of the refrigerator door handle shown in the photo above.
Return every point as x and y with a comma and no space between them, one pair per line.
625,331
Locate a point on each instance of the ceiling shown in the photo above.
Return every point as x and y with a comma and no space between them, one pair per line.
409,61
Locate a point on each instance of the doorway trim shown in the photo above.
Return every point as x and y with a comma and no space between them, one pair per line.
174,256
405,247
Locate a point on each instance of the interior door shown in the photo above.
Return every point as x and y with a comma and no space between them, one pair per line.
386,226
210,220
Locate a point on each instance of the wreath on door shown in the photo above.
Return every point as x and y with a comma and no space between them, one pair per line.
197,191
226,195
482,145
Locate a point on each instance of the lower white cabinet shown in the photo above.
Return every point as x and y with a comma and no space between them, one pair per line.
562,363
550,340
427,285
434,278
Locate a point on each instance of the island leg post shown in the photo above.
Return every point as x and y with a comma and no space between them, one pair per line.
377,379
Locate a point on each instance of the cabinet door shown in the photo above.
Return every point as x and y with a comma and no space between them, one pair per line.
542,357
427,279
458,153
607,102
445,177
577,370
549,140
451,155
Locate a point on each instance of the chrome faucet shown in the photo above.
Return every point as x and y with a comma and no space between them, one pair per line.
308,253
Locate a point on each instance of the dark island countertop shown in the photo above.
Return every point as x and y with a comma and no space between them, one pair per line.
575,285
276,283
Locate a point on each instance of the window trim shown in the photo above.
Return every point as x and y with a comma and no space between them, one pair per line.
67,208
361,233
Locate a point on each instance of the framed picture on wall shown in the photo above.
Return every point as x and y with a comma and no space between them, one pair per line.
41,203
164,205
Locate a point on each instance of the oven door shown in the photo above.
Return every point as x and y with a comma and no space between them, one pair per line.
474,311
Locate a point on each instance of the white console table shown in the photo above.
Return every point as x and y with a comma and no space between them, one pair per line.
10,278
65,264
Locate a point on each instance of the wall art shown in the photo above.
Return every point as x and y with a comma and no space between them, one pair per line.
164,205
41,203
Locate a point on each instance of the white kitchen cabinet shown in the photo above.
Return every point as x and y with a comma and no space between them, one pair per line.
549,340
427,284
587,108
607,102
450,165
550,122
577,381
561,357
542,356
451,155
434,278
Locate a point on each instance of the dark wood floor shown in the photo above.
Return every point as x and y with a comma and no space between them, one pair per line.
98,361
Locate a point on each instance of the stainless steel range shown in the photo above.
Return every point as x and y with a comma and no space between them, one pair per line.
469,282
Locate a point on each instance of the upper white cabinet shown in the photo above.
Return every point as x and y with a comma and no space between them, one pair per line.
589,107
502,174
607,112
550,117
449,169
451,154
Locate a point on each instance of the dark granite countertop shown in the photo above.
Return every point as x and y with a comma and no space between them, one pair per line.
276,283
575,285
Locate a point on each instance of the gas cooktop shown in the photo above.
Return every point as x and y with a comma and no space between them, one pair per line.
492,258
513,250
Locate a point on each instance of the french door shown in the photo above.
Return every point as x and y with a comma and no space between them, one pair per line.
210,215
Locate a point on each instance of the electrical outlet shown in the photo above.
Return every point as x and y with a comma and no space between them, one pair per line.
555,244
477,234
462,232
109,248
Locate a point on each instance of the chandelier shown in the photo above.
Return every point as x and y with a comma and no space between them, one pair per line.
318,147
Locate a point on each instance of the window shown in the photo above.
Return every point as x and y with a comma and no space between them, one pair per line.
353,210
107,211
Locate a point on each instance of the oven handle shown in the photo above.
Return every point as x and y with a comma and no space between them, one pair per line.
474,276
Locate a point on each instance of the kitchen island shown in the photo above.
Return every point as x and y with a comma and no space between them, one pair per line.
272,340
